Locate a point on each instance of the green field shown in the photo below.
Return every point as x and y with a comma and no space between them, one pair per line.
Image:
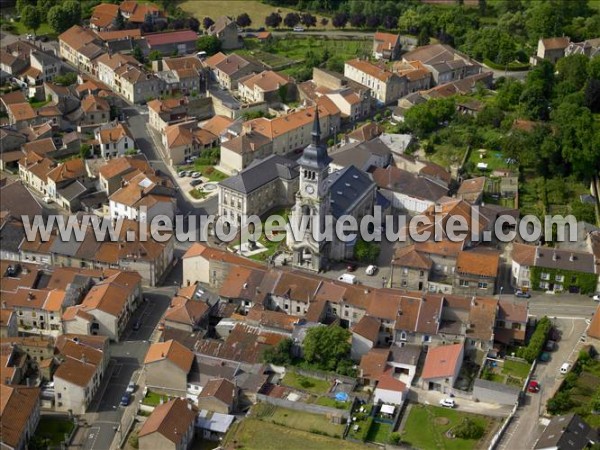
294,47
379,432
426,428
297,420
254,434
312,385
51,430
516,369
153,399
17,27
255,9
275,62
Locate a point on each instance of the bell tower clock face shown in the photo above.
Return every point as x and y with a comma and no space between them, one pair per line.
310,189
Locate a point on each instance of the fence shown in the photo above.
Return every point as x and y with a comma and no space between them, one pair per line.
305,407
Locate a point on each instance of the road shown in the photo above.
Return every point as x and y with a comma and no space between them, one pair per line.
417,395
561,305
137,118
525,429
126,360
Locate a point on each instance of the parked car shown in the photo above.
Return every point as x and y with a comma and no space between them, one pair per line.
196,174
130,388
298,29
534,386
447,403
125,399
371,270
550,346
137,325
564,369
351,267
596,297
545,357
182,174
522,294
347,278
196,182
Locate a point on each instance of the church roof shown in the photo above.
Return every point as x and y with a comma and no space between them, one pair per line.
262,172
346,187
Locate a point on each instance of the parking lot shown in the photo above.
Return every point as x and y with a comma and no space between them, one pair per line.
185,185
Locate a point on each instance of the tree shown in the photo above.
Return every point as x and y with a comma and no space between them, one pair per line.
137,53
21,4
280,355
176,24
207,22
335,64
423,37
291,20
208,44
73,12
390,22
340,20
84,151
367,252
373,21
573,70
561,402
31,18
544,19
57,19
591,95
324,21
325,346
244,20
469,429
273,20
482,7
395,439
358,20
193,24
155,55
119,21
67,79
427,117
308,20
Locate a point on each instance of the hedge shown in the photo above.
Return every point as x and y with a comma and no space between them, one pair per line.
537,341
511,67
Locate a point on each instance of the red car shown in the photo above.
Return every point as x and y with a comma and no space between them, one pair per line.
534,386
351,267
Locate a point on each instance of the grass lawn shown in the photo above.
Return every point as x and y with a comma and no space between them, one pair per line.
426,428
516,369
54,429
492,158
446,155
332,403
271,248
36,105
153,399
44,29
313,385
298,420
379,432
210,172
233,8
197,194
296,47
254,434
275,62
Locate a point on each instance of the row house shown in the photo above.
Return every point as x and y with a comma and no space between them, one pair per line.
387,87
83,362
114,139
268,86
186,139
386,46
80,46
185,74
22,405
136,85
112,173
227,70
445,63
108,63
162,112
107,307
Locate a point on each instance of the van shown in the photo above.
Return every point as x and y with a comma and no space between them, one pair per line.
564,368
347,278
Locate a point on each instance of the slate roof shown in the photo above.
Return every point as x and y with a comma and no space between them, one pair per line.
262,172
407,183
345,187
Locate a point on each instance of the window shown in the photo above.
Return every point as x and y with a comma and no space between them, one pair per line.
482,285
285,306
403,336
297,309
560,278
544,285
545,276
426,338
404,283
421,273
516,326
463,283
404,271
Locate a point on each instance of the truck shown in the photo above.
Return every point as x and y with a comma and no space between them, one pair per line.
347,278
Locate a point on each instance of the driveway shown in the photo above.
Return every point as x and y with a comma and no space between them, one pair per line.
418,395
525,429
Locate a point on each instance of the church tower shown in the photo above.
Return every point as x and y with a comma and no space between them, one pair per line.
312,202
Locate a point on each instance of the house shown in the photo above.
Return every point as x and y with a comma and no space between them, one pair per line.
107,307
476,272
365,336
386,46
240,152
218,395
262,186
229,69
411,269
367,156
180,42
226,30
214,425
79,46
185,74
167,365
442,366
186,312
96,110
113,171
142,198
387,87
135,84
472,190
20,411
108,63
418,76
367,132
389,389
162,112
551,269
267,86
184,140
511,321
372,365
171,426
78,377
103,16
445,63
11,140
137,12
552,49
407,191
8,323
568,431
114,139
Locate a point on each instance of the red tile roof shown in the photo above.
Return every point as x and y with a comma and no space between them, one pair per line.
174,37
442,361
171,419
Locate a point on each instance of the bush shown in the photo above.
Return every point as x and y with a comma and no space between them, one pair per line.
134,440
537,341
395,439
560,402
469,429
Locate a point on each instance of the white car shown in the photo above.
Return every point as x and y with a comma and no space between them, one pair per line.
130,387
371,270
196,175
596,298
298,29
447,403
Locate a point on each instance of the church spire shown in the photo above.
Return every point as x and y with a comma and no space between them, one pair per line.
316,131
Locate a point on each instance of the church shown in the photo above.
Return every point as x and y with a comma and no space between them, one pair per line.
349,191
